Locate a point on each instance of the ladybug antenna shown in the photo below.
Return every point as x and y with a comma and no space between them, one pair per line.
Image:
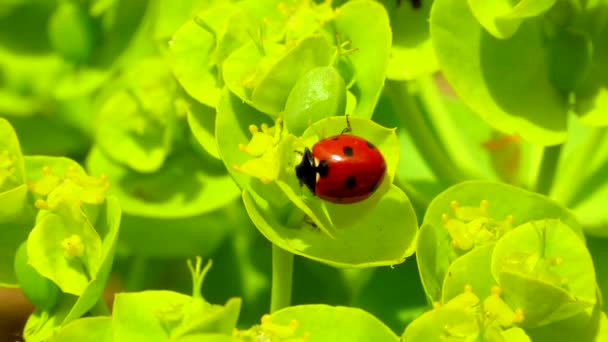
348,129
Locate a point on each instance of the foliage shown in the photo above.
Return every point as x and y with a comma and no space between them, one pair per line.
135,134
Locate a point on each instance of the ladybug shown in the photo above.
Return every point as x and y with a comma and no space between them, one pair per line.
342,169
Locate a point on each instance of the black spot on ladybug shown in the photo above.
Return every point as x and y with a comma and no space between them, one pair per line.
370,145
350,182
348,151
323,168
336,138
374,187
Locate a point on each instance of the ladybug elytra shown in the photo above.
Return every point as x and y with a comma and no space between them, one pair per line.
342,169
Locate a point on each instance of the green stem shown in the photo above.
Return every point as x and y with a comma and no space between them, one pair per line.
448,132
100,308
574,172
282,272
137,273
548,166
422,135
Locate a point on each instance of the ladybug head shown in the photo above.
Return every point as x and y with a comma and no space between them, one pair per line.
306,171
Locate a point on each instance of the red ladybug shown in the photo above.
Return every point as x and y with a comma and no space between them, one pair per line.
342,169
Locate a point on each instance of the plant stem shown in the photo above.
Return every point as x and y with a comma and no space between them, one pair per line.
548,167
574,172
422,135
282,272
447,131
137,272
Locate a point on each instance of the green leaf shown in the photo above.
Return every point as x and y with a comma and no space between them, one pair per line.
318,94
586,326
88,328
350,245
13,190
49,256
201,120
271,91
435,249
569,47
243,68
592,95
164,315
545,269
515,334
472,269
493,76
41,324
187,184
174,15
140,117
502,18
412,53
327,323
41,291
190,52
140,316
444,323
366,23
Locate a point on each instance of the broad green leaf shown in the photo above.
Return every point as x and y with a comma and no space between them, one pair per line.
515,334
443,324
366,23
545,269
41,291
412,52
140,117
569,47
592,95
582,327
472,269
493,76
13,190
435,249
502,18
174,15
243,68
273,87
391,225
48,255
88,328
318,94
139,316
189,52
164,315
201,120
331,323
187,184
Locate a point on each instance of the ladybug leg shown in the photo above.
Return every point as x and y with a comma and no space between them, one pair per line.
348,129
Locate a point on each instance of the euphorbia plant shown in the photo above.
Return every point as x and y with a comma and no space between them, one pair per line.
191,117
